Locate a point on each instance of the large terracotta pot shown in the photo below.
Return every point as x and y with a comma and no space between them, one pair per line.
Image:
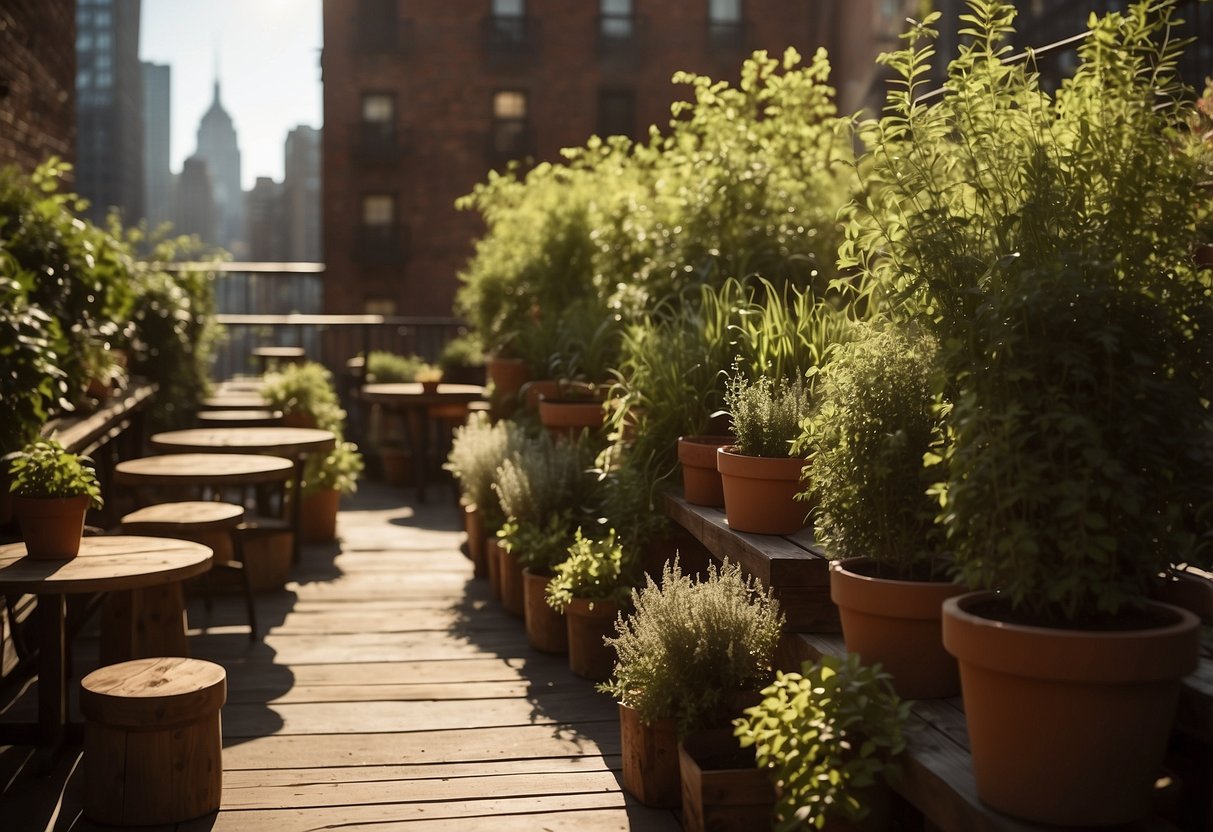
589,622
473,524
760,491
546,630
507,376
492,561
896,623
318,516
650,759
700,480
533,391
721,786
298,419
512,593
51,526
1068,727
569,417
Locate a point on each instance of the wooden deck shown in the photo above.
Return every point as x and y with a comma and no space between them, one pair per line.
389,693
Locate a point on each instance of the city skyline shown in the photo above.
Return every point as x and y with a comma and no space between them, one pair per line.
269,87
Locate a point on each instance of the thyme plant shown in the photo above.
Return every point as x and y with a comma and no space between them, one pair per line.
766,414
691,646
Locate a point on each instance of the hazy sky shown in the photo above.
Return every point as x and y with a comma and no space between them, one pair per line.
269,71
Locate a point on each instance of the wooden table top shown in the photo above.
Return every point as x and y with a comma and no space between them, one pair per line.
275,441
279,352
106,563
413,393
264,418
240,400
204,469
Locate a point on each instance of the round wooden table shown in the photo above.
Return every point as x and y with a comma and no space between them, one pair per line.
219,469
234,401
239,418
413,403
144,612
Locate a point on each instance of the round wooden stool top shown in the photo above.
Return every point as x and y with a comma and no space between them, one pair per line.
153,693
193,517
203,469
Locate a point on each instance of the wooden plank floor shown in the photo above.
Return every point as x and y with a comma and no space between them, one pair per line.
390,692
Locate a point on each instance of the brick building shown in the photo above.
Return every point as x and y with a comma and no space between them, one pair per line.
422,98
37,81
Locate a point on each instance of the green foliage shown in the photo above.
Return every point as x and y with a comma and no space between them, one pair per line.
690,647
478,449
1046,242
595,569
31,383
766,416
462,351
337,470
538,543
44,468
823,735
389,368
876,420
305,388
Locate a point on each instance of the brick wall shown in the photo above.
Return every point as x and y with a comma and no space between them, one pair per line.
443,79
37,81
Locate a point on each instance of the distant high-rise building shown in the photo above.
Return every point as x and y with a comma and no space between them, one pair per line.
157,173
422,99
109,108
195,201
37,82
266,229
301,195
218,147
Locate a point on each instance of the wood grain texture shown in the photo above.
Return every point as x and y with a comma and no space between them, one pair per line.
189,517
203,469
272,441
104,564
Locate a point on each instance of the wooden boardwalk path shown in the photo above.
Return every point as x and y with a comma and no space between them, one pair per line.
389,693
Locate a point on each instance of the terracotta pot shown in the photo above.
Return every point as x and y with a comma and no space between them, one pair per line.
429,386
533,391
650,759
589,622
492,562
473,524
897,623
512,593
700,480
1187,590
318,516
721,786
546,630
569,417
298,419
52,526
506,374
1068,727
760,491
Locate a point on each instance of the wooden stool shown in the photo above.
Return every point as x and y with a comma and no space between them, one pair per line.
152,744
212,524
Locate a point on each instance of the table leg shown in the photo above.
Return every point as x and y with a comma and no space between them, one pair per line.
296,507
414,424
52,670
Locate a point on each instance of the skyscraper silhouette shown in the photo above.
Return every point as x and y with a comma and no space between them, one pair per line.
218,148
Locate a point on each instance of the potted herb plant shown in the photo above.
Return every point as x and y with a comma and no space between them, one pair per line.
828,738
478,448
589,588
325,479
1046,240
688,656
305,395
760,475
53,491
876,420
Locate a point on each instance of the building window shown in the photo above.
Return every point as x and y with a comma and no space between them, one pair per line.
377,134
511,124
508,23
378,210
616,113
615,20
375,30
378,108
725,24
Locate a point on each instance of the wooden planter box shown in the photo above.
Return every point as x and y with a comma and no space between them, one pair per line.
722,790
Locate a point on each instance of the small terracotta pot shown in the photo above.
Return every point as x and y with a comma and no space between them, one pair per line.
507,376
760,492
429,387
567,417
1068,727
589,622
298,419
897,623
650,759
722,788
318,516
533,391
492,562
546,629
700,480
512,594
473,524
51,526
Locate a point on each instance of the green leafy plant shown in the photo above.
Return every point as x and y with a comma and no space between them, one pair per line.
427,373
539,543
595,569
462,351
390,368
30,343
337,470
824,735
478,449
690,647
305,388
766,415
44,468
1046,241
876,420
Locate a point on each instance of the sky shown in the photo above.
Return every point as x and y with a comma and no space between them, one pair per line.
268,53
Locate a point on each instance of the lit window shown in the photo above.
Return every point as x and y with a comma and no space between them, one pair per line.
378,108
616,18
724,11
509,104
378,210
509,8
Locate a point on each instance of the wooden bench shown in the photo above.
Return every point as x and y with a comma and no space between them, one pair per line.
937,777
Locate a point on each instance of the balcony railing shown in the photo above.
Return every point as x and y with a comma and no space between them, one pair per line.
379,143
382,245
